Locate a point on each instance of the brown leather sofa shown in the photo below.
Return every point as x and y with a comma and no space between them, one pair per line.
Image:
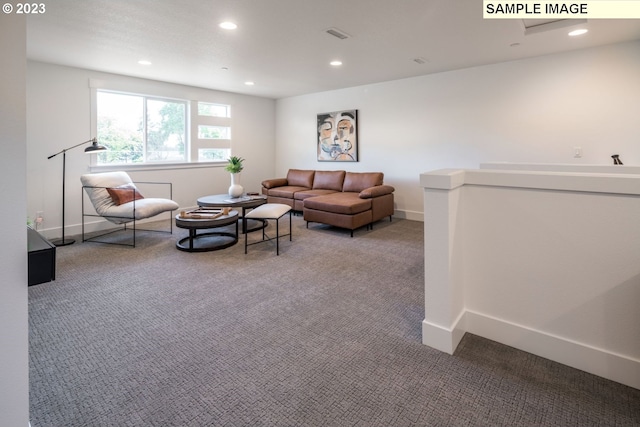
343,199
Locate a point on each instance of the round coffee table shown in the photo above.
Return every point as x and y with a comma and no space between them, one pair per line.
209,241
244,203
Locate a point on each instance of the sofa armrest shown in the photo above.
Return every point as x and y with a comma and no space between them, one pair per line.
275,182
377,191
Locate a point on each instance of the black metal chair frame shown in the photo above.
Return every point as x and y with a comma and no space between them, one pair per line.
131,219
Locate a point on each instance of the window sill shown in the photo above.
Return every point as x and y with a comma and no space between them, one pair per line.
155,166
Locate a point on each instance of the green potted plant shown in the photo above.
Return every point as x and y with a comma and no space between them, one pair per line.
234,166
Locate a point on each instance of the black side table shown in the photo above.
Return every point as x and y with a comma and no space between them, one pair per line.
41,258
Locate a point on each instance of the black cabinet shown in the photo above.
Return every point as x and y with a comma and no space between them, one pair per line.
42,258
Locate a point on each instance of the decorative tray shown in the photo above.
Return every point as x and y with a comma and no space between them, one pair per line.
204,213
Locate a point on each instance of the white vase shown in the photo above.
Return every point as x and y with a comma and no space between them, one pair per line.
236,189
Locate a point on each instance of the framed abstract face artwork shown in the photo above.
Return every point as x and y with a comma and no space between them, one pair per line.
338,136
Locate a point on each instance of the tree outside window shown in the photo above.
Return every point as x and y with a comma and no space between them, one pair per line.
137,129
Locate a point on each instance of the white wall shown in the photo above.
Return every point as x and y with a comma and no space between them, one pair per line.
58,117
533,110
14,360
547,262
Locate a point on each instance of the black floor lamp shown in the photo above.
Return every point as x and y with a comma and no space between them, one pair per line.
93,148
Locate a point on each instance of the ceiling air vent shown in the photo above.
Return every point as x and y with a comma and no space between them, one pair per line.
338,33
535,26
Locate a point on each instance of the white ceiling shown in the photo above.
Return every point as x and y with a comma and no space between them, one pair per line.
282,45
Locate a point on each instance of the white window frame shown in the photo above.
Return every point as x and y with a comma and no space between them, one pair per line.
193,120
197,120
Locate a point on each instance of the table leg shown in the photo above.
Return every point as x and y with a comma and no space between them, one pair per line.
244,221
192,235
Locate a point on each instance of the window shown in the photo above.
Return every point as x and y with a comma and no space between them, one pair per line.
214,132
120,119
213,154
213,110
140,129
213,124
166,131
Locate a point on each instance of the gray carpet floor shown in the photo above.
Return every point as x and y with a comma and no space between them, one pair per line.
326,334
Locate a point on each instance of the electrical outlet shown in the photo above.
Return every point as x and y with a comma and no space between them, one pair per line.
39,219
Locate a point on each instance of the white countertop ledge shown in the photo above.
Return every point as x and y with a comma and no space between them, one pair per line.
593,182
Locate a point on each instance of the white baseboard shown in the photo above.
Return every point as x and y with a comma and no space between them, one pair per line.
441,338
103,225
95,224
597,361
410,215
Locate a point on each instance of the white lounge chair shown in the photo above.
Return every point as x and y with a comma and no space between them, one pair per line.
116,198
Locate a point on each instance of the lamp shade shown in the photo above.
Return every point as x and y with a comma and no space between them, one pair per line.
95,147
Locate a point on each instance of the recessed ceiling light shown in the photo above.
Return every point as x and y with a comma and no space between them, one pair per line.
336,63
228,25
249,83
578,32
144,62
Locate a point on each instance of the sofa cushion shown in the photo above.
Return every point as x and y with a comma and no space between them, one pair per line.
301,195
96,184
341,203
144,208
300,178
358,181
286,191
274,182
376,191
328,180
